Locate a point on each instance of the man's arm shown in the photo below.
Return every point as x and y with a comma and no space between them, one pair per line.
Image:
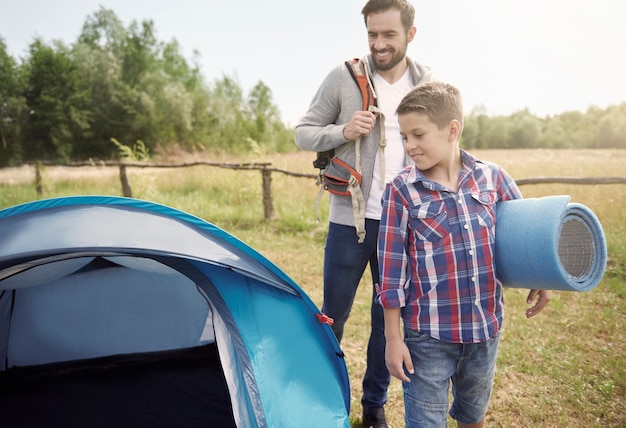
334,116
319,130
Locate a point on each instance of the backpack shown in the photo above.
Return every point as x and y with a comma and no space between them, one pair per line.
335,175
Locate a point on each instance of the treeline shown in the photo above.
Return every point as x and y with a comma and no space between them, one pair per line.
65,103
596,128
120,84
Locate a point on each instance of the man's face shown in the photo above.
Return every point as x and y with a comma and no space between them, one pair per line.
387,38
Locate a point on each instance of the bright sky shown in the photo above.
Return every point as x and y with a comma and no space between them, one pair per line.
549,56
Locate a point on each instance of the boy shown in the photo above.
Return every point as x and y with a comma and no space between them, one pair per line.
435,251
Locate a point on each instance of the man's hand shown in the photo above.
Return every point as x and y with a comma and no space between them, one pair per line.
360,125
542,296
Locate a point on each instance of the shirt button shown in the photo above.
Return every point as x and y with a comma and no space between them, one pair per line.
471,252
460,201
473,279
466,227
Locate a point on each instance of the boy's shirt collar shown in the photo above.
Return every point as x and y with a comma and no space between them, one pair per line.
469,165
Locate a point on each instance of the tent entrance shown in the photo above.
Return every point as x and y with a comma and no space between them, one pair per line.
182,388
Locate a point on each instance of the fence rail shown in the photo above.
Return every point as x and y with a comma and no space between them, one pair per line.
266,173
571,180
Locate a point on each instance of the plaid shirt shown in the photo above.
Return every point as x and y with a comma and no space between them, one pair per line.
436,249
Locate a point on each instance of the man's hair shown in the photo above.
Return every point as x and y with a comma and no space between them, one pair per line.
440,101
407,12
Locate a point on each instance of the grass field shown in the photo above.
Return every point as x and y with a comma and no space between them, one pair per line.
564,368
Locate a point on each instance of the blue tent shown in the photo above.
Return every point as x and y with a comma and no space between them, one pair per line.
121,312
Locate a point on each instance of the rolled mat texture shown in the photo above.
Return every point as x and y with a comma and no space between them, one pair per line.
549,244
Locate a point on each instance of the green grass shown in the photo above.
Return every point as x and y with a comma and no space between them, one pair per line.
564,368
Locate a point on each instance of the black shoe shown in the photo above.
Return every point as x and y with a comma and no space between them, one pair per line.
374,418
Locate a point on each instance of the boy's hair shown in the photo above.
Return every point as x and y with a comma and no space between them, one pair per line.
440,101
407,12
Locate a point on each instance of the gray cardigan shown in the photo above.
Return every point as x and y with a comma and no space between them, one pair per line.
321,128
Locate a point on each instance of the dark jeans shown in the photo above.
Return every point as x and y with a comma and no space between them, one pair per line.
345,261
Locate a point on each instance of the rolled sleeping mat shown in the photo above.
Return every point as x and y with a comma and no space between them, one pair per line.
549,244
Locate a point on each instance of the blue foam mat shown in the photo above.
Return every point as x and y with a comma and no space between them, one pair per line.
549,244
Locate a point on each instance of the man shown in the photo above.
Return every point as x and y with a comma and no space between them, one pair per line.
335,119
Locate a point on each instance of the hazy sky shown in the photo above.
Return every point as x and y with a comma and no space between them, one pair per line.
548,56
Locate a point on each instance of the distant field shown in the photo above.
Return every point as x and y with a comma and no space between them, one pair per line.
564,368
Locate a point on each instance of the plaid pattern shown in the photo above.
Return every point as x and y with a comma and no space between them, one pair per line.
436,249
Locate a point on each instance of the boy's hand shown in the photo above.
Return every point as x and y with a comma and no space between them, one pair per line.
397,357
542,296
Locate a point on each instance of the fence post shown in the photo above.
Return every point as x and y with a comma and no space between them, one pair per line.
268,203
126,190
38,179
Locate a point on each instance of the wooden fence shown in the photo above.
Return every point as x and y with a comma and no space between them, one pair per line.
266,173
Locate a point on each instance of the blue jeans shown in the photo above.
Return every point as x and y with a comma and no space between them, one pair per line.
345,261
470,367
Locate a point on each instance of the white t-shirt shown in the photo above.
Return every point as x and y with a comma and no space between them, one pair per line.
388,96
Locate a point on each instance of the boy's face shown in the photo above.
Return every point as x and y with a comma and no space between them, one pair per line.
427,145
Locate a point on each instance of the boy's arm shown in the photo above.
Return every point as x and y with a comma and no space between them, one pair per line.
392,262
509,191
397,354
542,296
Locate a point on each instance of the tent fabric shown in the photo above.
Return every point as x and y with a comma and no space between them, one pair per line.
67,319
87,278
549,243
105,221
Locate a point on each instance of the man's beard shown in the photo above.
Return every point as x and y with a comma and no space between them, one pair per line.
395,60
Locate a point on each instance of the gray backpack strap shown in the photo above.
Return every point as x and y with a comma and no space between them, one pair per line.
356,194
358,208
359,71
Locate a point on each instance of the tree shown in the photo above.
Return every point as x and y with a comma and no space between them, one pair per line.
555,135
264,113
226,116
611,131
113,60
67,103
494,133
103,30
147,91
579,129
12,109
122,83
525,131
100,87
475,128
180,97
50,93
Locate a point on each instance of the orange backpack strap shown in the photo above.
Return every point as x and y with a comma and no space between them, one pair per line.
359,74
